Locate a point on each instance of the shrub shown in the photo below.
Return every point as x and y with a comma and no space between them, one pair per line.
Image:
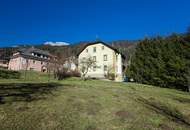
111,76
8,74
65,73
61,74
75,73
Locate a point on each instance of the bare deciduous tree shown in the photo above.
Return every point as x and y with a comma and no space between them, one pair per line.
85,64
110,72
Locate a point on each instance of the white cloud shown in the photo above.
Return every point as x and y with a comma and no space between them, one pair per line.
56,43
15,46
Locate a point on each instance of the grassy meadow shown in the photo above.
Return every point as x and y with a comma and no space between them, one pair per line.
36,102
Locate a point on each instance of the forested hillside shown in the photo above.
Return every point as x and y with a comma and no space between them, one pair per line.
162,61
69,50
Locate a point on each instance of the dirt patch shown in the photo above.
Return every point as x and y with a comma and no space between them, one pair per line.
122,114
165,127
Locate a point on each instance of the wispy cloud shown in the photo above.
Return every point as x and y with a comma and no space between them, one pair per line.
56,43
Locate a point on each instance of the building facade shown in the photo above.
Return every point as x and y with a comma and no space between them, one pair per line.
108,60
70,63
31,59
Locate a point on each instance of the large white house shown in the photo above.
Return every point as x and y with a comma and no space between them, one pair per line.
109,61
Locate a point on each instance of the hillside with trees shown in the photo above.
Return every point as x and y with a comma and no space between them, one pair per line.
67,50
162,61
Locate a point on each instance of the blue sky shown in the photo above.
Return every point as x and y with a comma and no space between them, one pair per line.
37,21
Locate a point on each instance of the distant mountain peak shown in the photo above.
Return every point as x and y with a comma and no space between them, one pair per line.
57,43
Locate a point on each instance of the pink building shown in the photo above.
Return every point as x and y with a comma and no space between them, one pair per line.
31,59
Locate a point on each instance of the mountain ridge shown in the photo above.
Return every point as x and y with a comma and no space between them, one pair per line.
124,46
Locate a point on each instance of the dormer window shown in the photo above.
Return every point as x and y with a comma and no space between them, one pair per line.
87,50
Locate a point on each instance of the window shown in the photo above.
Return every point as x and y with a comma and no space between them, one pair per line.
87,50
102,47
94,49
105,57
94,68
94,58
34,61
24,61
116,57
41,63
105,68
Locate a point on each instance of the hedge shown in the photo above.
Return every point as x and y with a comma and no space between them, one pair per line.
8,74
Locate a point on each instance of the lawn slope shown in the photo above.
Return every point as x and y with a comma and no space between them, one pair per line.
72,104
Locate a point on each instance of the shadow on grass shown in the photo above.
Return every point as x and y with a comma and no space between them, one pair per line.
12,92
181,99
166,110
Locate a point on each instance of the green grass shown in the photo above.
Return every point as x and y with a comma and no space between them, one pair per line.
34,103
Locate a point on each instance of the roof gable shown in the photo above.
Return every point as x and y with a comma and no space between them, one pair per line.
100,42
29,51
